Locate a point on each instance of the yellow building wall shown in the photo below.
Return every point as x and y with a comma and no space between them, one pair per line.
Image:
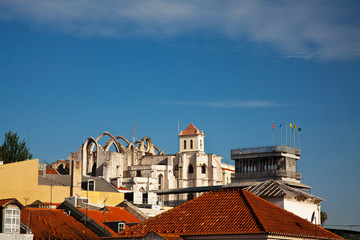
111,198
56,195
20,180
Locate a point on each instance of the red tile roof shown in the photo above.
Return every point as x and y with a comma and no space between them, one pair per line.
228,169
190,130
169,236
114,214
124,189
5,201
228,211
60,226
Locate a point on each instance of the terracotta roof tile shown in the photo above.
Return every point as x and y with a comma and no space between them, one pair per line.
190,130
114,214
125,189
228,211
170,236
50,170
59,226
5,201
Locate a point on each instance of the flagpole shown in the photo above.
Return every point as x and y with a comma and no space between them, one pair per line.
273,134
294,135
286,134
281,133
290,134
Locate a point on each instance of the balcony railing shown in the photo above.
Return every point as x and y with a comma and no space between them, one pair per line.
267,149
270,173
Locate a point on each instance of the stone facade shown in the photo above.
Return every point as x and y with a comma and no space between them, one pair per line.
143,167
264,163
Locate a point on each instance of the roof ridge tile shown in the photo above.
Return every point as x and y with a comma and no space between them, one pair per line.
252,210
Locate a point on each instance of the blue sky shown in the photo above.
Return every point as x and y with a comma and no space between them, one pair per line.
74,69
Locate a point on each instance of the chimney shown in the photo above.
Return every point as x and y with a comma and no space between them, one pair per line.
75,188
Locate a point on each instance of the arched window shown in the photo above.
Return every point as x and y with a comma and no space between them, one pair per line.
191,144
161,181
191,169
203,169
184,144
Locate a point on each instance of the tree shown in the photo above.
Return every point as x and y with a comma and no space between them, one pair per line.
13,150
323,217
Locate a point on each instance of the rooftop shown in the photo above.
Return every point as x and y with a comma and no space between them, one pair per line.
273,188
109,215
54,224
225,212
190,130
265,149
101,185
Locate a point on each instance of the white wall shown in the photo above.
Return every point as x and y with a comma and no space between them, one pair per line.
303,209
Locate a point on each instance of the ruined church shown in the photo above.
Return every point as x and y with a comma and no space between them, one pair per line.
143,167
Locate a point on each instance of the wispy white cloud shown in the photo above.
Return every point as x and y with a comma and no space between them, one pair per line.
316,29
222,103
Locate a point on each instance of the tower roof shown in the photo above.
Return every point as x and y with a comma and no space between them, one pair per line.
190,130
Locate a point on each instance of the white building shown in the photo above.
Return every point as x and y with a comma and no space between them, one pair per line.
271,173
143,167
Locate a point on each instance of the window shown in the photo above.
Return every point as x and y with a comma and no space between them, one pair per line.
176,168
11,220
201,144
191,144
203,169
138,173
161,181
121,226
184,144
91,185
191,169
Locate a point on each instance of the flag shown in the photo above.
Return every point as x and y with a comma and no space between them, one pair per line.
280,124
294,127
290,125
299,129
273,125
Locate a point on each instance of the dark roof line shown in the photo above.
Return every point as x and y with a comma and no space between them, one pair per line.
84,219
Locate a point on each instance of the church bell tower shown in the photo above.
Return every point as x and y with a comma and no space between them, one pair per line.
191,140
